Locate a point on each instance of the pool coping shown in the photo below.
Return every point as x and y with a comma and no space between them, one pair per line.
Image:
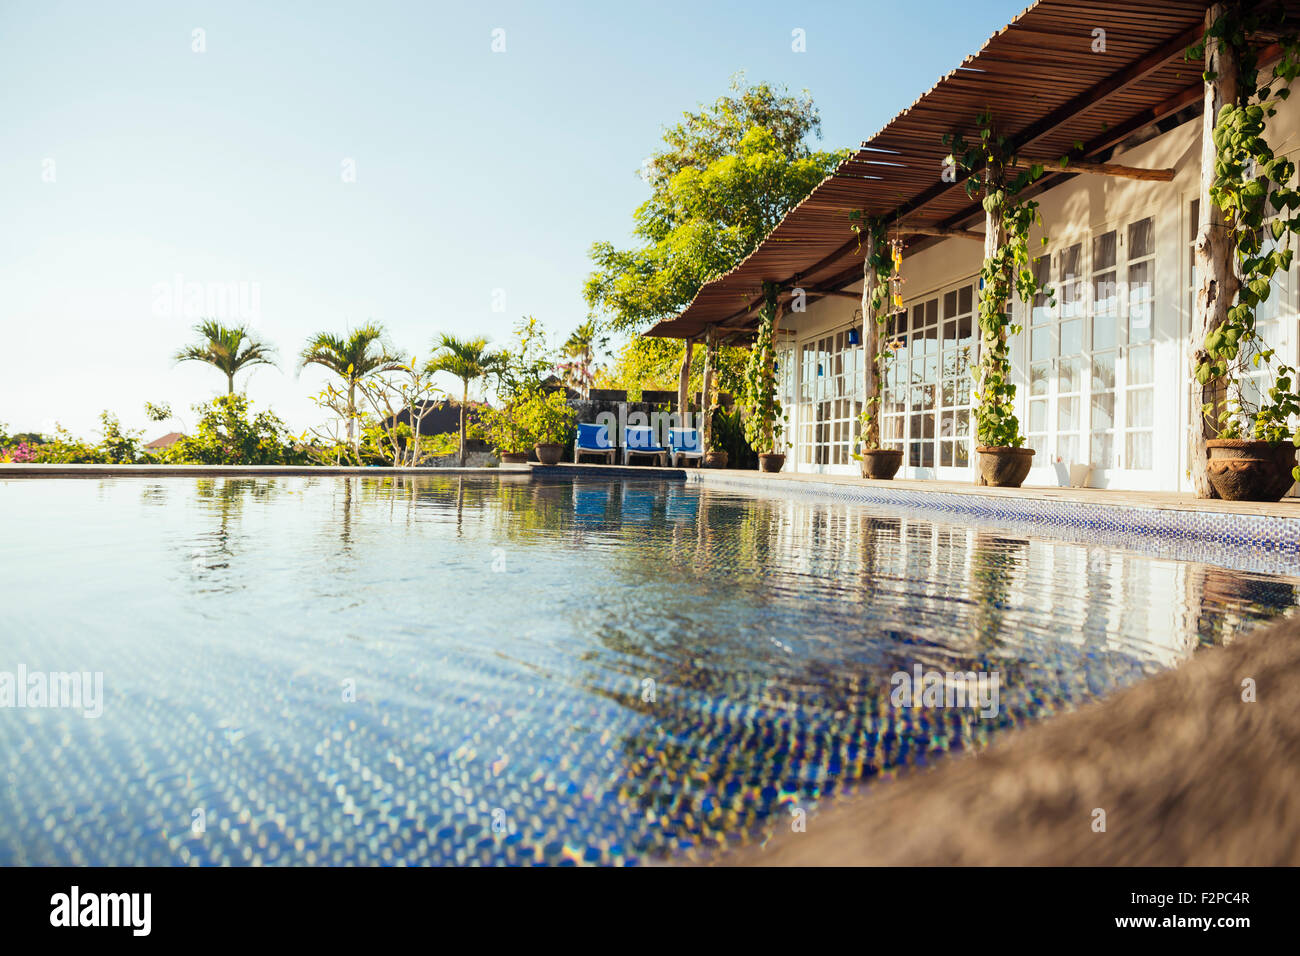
1242,536
11,470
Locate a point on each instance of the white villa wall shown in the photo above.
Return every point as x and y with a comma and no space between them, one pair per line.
1073,212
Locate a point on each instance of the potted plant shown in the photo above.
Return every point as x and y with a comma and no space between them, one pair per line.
764,421
547,417
879,463
1003,459
507,435
1253,456
716,456
773,460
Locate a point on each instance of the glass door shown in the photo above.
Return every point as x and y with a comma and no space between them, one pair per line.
956,367
928,382
1056,362
830,373
1091,358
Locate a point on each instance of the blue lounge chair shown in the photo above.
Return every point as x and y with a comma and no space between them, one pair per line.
640,440
593,440
685,443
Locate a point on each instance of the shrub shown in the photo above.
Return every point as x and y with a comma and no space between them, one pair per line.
226,435
506,432
545,416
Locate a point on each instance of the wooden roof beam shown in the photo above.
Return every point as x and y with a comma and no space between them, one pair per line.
1100,169
1119,81
946,232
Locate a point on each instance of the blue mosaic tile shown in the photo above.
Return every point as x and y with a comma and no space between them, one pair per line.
1264,544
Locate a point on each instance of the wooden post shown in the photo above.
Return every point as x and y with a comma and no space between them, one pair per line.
706,391
870,343
771,359
684,385
1216,274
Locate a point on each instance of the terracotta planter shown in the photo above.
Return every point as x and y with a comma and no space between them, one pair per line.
549,453
715,459
1249,470
514,458
881,463
772,462
1003,466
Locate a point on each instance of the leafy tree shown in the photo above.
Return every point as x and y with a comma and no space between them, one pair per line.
722,181
656,363
521,369
64,449
355,356
226,435
578,364
466,359
118,447
227,348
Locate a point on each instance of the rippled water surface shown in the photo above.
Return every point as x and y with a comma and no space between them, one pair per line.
449,669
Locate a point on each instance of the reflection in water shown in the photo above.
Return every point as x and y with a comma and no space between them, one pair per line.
456,669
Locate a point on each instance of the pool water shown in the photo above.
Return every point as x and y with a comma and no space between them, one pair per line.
458,669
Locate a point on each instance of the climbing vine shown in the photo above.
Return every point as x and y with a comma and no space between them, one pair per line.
764,423
1249,183
883,261
1009,269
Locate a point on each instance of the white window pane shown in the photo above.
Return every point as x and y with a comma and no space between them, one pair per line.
1138,450
1140,368
1139,408
1103,410
1038,416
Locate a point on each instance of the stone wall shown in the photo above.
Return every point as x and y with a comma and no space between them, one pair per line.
473,459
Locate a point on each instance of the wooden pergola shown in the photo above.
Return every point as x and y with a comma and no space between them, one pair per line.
1055,92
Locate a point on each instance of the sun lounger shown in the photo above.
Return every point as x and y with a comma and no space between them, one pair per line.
640,440
593,440
684,444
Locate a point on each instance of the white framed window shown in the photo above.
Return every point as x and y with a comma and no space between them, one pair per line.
831,373
928,379
1090,357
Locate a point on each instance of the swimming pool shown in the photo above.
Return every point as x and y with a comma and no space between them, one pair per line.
455,669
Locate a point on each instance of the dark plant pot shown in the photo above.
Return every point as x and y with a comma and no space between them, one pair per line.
715,459
881,463
549,453
1249,470
514,458
771,462
1004,467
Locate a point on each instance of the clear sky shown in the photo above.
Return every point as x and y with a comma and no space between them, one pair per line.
131,165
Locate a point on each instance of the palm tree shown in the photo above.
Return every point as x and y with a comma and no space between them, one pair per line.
360,354
467,360
228,348
579,348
